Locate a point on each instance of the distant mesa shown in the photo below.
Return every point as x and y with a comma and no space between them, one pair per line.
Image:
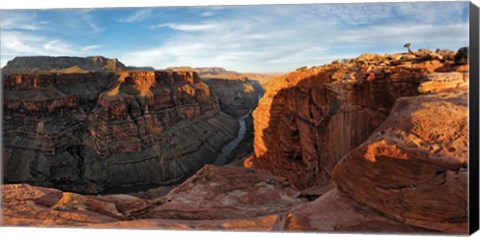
63,64
201,70
145,68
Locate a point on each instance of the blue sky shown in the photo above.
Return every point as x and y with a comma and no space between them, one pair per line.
242,38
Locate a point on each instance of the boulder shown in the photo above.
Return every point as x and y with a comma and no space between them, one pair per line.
227,193
333,212
413,167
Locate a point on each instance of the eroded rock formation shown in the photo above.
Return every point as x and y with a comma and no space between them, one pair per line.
312,127
214,198
309,119
86,132
228,193
413,167
377,144
238,93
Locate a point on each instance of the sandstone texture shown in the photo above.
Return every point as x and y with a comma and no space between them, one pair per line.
309,119
216,198
227,193
333,213
374,144
87,132
413,167
390,133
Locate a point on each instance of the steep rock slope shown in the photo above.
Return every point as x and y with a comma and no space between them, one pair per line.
409,174
416,163
87,132
236,96
412,169
238,93
309,119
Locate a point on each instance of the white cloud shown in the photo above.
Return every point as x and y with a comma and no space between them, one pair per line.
90,47
23,43
94,28
15,43
369,13
25,33
11,20
242,44
438,34
137,16
207,13
187,27
253,38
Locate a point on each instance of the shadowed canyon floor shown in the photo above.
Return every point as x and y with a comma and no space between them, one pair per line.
373,144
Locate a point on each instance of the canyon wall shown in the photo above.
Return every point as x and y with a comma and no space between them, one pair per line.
375,144
309,119
87,132
237,97
238,93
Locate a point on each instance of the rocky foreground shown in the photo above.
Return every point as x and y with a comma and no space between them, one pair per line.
374,144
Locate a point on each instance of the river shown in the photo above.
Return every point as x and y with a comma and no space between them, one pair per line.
227,149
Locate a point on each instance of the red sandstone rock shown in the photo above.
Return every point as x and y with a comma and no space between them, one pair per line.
413,167
227,193
309,119
26,205
408,176
332,212
110,128
73,201
126,204
262,223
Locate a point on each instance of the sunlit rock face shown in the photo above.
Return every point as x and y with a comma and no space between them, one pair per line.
413,168
390,134
309,119
228,193
89,131
215,198
376,144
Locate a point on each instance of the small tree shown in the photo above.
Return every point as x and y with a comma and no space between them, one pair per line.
408,45
302,68
461,57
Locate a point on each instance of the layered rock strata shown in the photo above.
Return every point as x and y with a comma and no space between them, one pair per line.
237,97
398,151
413,168
87,132
309,119
238,93
406,171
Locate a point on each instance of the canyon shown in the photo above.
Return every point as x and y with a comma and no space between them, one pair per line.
91,131
377,143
